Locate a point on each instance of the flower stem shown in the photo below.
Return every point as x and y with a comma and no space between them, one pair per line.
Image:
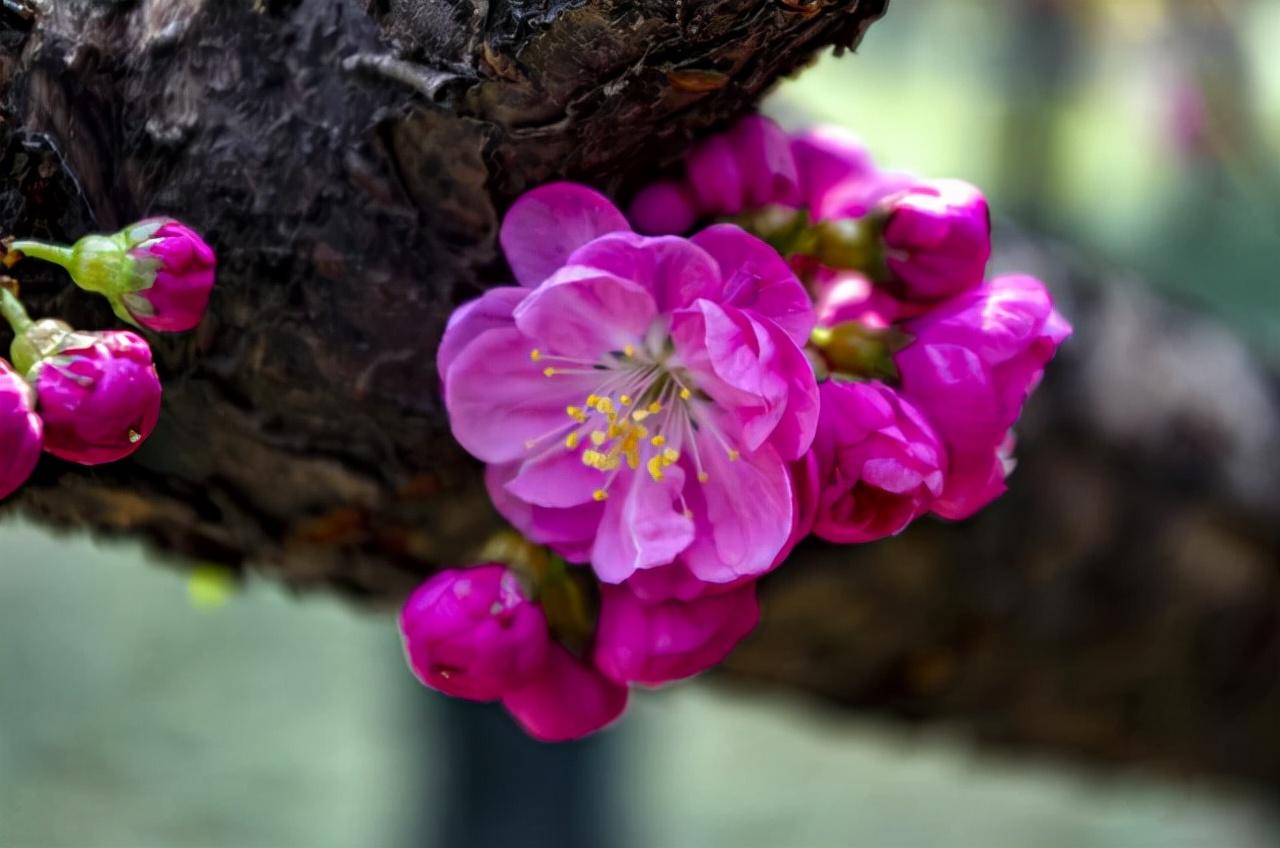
13,311
55,253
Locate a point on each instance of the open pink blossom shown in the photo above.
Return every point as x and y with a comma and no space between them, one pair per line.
471,633
21,431
974,360
643,401
936,239
99,397
652,644
566,700
881,463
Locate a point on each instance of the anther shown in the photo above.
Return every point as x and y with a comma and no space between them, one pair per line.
685,394
549,372
535,354
571,441
599,495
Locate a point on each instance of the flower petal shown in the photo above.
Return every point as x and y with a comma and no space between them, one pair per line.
584,313
550,222
758,280
490,311
498,399
570,532
744,513
643,525
674,270
568,700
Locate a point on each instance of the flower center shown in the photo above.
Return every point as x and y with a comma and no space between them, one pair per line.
646,410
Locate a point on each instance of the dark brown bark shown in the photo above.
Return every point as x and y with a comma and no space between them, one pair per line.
350,162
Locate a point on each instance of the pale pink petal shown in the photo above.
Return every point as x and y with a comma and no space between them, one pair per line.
763,153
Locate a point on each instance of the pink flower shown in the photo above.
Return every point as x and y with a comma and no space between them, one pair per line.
175,275
21,432
974,360
937,239
641,402
470,633
99,396
652,644
567,700
881,463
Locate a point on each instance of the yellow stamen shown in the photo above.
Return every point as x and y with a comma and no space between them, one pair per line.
604,405
685,394
629,351
669,456
577,414
535,354
655,408
571,441
703,476
655,467
598,438
640,415
733,455
599,494
549,372
658,441
625,400
591,401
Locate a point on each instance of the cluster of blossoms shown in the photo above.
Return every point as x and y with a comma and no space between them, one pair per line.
678,410
94,397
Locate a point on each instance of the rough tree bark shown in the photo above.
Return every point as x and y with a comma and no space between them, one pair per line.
350,160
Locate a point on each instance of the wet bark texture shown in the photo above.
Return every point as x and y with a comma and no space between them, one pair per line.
350,161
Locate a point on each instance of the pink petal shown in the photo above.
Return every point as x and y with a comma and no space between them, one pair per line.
758,280
715,177
568,700
498,398
744,514
763,153
674,270
643,525
490,311
550,222
585,313
570,532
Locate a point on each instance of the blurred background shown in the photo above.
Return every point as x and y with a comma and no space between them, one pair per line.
142,707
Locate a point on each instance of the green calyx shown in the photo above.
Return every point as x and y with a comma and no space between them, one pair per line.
855,351
568,596
846,244
34,342
103,263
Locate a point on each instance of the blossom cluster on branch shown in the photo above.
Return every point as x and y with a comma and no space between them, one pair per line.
781,339
94,397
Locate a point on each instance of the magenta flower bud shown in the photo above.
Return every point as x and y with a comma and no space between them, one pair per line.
974,360
471,633
21,432
666,207
99,394
157,273
881,463
567,699
652,644
937,239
